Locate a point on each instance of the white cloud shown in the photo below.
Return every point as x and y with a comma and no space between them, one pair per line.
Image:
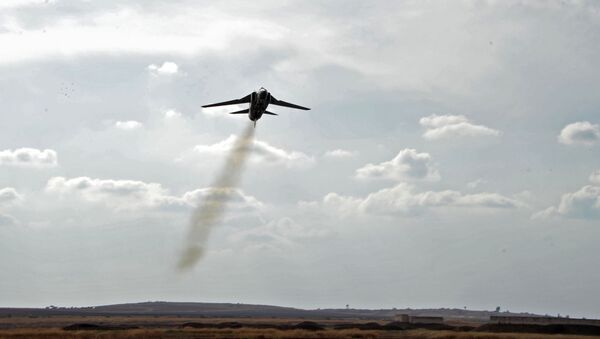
582,204
261,152
132,194
236,198
595,177
450,126
29,157
344,206
121,194
339,153
403,200
5,4
9,195
173,31
282,232
172,114
7,220
476,183
582,132
167,68
408,164
434,121
128,125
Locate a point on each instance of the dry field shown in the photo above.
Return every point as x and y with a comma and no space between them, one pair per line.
263,334
170,327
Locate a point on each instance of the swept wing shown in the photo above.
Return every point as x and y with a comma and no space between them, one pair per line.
243,100
286,104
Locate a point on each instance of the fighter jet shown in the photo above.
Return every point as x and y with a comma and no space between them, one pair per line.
258,101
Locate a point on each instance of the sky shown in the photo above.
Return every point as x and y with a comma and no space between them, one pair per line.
451,156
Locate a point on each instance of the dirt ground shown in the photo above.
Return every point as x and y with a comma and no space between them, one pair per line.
263,334
170,327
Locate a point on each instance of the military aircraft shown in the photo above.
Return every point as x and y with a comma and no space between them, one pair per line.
258,101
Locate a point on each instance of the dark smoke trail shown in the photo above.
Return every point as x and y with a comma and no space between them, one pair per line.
210,211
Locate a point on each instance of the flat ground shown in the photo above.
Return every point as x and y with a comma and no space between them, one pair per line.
171,327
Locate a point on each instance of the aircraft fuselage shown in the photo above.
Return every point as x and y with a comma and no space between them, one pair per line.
259,101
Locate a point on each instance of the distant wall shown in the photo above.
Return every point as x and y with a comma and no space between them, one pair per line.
405,318
542,320
426,320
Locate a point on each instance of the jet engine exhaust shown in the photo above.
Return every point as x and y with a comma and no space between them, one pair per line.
210,211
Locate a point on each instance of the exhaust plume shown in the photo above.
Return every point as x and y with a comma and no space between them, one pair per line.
210,211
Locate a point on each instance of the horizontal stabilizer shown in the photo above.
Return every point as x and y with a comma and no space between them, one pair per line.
270,113
244,111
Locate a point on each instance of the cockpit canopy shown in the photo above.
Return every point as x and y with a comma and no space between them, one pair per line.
262,93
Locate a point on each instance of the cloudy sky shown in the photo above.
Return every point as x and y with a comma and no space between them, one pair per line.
451,157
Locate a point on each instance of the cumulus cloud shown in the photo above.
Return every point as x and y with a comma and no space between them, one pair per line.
403,200
167,68
582,204
261,152
582,132
9,195
408,164
450,126
128,125
132,194
595,177
29,157
172,114
339,153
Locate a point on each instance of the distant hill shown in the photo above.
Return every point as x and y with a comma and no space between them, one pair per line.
226,310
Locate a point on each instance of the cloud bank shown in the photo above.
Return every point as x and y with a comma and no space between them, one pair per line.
408,164
29,157
135,195
402,200
261,152
453,126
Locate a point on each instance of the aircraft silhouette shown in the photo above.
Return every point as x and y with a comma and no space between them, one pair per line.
258,101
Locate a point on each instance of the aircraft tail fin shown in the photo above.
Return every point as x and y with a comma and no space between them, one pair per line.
244,111
270,113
